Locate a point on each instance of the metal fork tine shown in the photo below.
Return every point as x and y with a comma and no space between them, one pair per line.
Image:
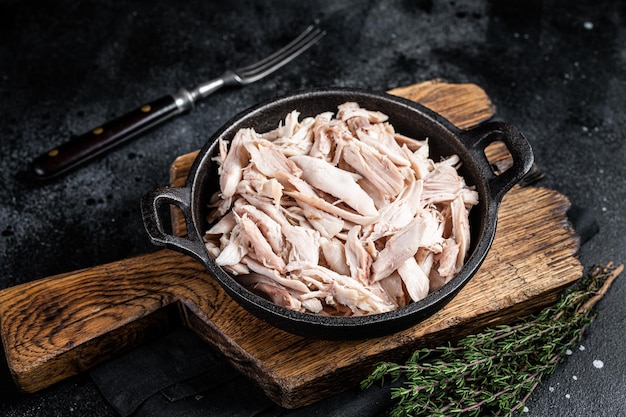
279,53
281,57
251,73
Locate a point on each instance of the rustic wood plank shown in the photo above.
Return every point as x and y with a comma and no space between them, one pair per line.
56,327
465,105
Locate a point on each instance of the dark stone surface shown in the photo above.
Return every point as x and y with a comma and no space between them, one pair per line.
556,69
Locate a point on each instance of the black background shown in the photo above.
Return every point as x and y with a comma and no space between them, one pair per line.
556,69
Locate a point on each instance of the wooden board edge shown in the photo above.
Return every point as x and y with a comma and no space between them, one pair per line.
35,376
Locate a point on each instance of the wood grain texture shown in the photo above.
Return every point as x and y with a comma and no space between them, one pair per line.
56,327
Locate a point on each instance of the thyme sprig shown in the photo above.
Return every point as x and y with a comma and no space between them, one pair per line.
495,372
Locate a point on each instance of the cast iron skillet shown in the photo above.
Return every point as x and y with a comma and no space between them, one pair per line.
408,118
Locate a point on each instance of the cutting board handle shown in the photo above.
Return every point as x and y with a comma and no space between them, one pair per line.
151,205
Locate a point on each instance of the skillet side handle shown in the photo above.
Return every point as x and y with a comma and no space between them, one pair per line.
153,222
477,140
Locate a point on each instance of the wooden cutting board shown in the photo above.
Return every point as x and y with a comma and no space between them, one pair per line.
59,326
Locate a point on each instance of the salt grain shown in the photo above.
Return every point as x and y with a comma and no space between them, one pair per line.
588,25
568,352
597,363
567,396
575,378
526,409
551,389
581,348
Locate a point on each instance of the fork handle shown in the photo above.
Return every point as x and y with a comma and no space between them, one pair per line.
81,148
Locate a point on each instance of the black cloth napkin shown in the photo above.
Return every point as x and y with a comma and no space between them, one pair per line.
180,375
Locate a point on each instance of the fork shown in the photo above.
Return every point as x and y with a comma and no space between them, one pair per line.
82,148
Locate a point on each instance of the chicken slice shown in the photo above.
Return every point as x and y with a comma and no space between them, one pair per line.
254,182
336,182
414,278
425,259
289,283
276,293
470,197
460,229
266,205
375,167
349,292
328,225
399,247
432,239
397,214
453,160
237,269
394,288
421,165
413,144
259,246
304,193
442,185
270,228
448,259
322,204
233,163
212,247
224,225
381,137
234,249
304,242
294,137
380,199
314,305
334,255
327,138
357,258
349,110
268,159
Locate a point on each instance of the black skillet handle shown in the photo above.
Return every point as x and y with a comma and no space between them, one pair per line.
477,140
154,223
86,146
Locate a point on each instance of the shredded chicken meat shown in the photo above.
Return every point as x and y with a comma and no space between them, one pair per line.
338,215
